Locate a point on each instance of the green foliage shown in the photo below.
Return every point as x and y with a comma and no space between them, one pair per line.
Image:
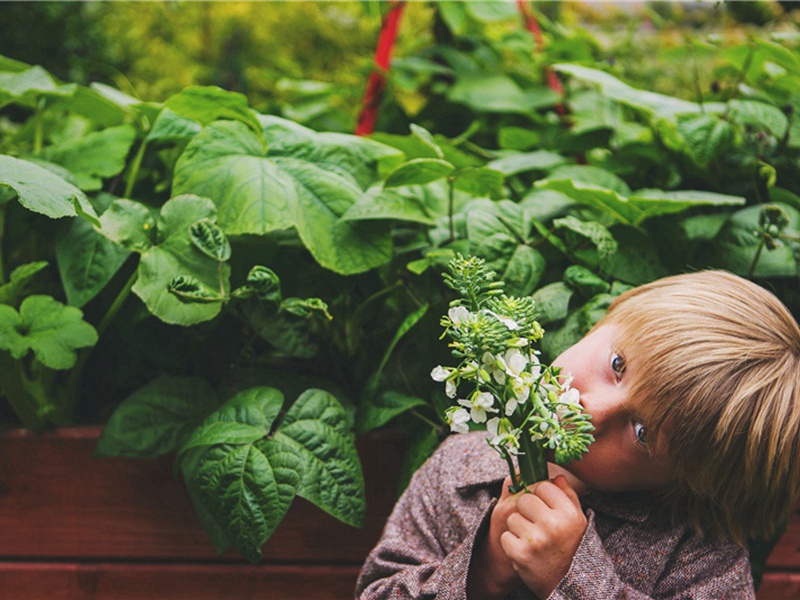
223,244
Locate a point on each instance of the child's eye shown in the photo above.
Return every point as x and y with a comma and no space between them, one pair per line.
617,365
640,431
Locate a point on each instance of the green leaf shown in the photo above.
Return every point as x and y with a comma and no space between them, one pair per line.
40,191
246,489
96,156
426,137
419,171
397,205
157,418
736,246
87,261
316,428
608,202
263,283
760,115
209,103
378,412
648,102
130,224
189,289
654,203
522,162
245,418
210,239
591,175
305,180
552,302
50,329
707,137
595,233
12,291
175,254
637,260
491,11
170,126
584,282
479,181
500,94
26,86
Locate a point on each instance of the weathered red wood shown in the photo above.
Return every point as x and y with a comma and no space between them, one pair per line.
786,553
120,581
57,501
779,586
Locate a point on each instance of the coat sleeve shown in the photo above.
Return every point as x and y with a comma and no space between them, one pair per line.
418,556
696,570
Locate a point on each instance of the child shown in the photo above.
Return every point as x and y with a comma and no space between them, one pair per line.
693,384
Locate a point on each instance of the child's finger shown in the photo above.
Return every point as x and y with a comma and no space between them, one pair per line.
561,482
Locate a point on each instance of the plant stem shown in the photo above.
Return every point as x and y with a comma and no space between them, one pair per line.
435,426
3,208
756,258
38,128
532,464
134,172
450,202
23,405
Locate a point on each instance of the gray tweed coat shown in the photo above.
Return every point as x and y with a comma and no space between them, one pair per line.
626,552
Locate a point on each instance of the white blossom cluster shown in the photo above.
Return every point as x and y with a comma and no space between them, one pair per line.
500,384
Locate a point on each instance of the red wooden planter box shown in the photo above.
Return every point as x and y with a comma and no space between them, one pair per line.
72,526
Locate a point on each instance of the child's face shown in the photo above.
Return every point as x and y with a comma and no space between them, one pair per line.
621,458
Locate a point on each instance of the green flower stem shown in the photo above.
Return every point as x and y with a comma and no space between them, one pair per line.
532,462
134,172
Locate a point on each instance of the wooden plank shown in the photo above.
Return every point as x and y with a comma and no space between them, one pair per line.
56,500
786,553
120,581
779,586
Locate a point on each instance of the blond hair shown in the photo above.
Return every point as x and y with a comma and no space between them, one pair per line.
717,363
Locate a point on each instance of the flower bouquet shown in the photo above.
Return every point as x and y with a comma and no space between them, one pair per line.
526,406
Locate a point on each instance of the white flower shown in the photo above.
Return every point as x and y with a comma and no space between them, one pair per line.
495,365
515,362
503,434
469,370
458,314
479,405
458,419
570,400
439,373
450,388
521,388
507,321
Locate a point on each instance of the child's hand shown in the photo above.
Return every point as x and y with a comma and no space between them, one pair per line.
544,533
492,574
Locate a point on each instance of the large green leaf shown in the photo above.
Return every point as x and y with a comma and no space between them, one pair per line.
498,232
86,261
170,126
245,418
604,200
50,329
385,407
485,92
521,162
298,179
41,191
654,203
419,171
552,301
157,418
379,203
247,489
610,86
96,156
707,137
168,253
595,233
316,427
26,86
760,115
206,104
